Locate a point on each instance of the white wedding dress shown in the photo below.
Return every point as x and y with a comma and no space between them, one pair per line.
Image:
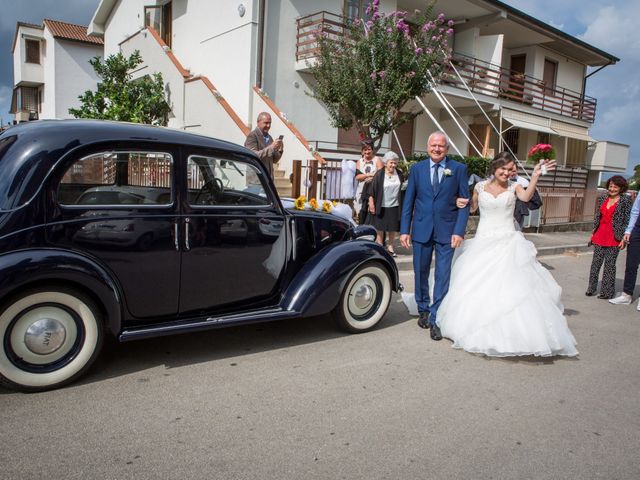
501,301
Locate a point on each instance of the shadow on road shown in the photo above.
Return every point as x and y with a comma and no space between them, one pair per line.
117,359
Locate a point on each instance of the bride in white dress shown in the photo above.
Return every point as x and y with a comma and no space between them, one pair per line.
501,301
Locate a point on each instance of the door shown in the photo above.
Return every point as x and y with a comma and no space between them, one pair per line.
405,135
549,76
234,236
516,79
119,208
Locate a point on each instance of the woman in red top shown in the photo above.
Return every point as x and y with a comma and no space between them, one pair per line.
612,216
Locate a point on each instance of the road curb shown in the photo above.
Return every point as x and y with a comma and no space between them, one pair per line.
405,262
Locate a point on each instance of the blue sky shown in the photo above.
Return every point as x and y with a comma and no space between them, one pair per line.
611,26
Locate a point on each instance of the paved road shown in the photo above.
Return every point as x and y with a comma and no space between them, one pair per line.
299,400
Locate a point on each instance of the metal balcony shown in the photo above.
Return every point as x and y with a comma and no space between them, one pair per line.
481,77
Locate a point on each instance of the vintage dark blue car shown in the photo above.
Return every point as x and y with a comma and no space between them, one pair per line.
136,231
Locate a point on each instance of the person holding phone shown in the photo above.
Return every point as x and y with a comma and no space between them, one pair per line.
268,150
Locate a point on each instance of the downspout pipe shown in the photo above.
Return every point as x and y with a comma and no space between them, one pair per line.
584,80
259,51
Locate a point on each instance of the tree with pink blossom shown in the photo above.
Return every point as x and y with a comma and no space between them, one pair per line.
367,77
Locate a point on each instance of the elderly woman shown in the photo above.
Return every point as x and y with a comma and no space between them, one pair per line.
612,216
385,201
366,168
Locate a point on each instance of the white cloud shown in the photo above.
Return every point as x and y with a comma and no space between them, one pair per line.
618,120
559,26
615,29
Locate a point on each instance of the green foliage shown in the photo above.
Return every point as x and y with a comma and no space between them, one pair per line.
475,165
366,76
118,97
634,181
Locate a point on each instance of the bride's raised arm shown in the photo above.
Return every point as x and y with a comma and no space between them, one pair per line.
527,194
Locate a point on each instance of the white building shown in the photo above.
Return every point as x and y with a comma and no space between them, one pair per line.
51,68
225,62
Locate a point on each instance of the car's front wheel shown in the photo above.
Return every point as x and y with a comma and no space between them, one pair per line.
49,338
365,299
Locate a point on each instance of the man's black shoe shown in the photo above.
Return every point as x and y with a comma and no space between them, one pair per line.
435,333
423,321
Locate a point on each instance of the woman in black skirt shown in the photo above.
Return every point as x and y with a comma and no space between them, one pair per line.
385,201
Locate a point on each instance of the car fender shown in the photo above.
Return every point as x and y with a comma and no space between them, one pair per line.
24,268
316,288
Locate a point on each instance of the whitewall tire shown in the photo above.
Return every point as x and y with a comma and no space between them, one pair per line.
49,338
365,299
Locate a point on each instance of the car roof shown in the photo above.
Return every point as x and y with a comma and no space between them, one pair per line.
28,151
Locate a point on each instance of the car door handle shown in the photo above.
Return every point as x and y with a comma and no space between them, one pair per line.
187,243
176,236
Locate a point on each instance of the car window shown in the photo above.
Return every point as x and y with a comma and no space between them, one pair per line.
220,181
118,178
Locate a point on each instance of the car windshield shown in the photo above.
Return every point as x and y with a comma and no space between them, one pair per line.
218,181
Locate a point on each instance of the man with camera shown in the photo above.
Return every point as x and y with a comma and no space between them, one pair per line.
268,150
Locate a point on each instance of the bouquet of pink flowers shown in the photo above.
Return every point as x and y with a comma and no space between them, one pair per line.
541,151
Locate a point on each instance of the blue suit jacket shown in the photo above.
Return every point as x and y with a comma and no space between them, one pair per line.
435,216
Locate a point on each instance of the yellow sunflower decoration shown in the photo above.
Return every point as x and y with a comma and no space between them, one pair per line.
313,203
300,202
327,206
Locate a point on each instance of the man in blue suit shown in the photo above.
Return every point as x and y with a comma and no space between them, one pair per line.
430,213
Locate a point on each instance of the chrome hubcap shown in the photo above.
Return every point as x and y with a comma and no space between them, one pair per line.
45,336
363,296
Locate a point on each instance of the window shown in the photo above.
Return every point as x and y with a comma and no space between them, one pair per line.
32,51
118,178
576,153
544,137
26,99
354,9
159,18
216,181
511,138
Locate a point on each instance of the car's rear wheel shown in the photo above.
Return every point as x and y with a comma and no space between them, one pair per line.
49,338
365,299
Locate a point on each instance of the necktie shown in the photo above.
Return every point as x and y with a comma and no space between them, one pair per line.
435,180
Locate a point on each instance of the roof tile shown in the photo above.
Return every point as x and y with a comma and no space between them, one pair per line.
70,31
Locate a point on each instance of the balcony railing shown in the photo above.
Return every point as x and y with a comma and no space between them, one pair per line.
489,79
314,25
481,77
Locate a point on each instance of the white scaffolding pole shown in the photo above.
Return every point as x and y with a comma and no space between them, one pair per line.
395,135
439,96
433,119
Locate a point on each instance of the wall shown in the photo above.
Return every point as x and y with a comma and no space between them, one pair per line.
207,116
127,17
287,87
49,89
22,71
212,39
609,156
155,59
570,73
423,128
464,41
73,74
